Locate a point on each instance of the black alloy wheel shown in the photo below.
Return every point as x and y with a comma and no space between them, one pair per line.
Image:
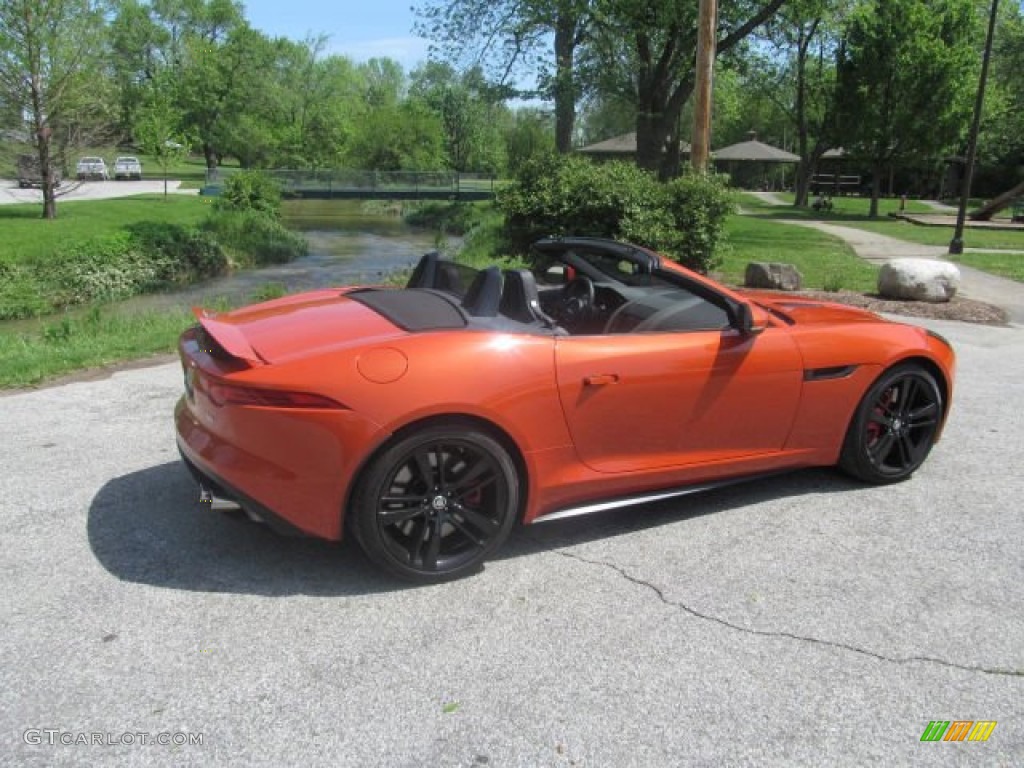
436,503
894,427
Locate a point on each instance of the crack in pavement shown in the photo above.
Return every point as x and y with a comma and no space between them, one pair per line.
789,635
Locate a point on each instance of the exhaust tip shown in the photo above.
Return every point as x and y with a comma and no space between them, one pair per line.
217,504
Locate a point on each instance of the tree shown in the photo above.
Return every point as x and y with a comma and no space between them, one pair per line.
647,49
300,112
528,136
203,46
383,82
50,55
468,110
158,129
219,84
798,74
512,36
906,73
404,137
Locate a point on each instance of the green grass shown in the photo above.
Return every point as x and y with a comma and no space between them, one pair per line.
65,344
26,236
995,239
35,351
842,207
853,212
825,262
1005,264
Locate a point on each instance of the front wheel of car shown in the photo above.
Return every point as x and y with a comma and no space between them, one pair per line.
436,503
894,427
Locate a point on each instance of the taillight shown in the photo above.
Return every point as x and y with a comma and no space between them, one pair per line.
225,393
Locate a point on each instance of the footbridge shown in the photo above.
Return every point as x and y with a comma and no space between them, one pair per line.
337,184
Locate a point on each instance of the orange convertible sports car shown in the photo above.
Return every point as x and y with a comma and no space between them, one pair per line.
428,420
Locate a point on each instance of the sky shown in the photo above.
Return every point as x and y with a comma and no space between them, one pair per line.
359,29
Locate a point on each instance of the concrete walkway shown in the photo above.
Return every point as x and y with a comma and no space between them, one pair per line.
935,205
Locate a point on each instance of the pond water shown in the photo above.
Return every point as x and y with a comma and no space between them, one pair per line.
347,245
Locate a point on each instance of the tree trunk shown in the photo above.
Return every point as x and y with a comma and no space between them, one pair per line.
648,141
997,204
211,156
657,132
46,172
565,87
877,174
801,183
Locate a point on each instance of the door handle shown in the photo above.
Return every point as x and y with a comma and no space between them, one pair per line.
600,379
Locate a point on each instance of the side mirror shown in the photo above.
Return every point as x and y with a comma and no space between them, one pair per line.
745,320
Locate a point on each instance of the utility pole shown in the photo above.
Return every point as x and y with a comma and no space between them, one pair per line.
956,245
700,143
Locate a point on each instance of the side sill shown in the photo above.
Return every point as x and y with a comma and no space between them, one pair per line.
646,498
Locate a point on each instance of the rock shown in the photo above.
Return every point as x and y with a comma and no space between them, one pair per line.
918,280
782,277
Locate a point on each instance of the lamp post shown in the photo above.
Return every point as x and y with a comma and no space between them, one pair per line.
956,245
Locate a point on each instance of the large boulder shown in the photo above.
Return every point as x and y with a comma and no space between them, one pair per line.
779,277
918,280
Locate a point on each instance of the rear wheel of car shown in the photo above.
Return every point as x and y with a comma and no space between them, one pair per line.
894,427
436,503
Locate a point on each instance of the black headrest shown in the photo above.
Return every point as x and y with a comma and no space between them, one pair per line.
426,271
484,294
448,278
519,297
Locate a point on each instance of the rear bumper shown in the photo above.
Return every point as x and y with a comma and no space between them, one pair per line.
293,470
222,489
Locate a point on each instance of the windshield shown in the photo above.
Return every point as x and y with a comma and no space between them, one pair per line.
556,267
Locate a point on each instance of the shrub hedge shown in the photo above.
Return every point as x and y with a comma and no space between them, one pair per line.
571,195
253,238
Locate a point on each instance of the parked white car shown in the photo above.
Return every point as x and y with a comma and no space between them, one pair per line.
127,167
92,168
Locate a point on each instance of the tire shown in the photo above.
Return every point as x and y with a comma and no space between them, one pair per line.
894,427
436,503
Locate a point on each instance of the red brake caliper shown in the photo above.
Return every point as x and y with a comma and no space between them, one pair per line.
885,402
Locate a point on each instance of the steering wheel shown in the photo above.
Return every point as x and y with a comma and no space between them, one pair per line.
577,299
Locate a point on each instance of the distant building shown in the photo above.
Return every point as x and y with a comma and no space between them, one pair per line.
619,148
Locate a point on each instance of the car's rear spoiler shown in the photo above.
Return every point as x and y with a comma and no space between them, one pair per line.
229,337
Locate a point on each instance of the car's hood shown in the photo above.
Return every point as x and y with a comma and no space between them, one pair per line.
805,311
295,326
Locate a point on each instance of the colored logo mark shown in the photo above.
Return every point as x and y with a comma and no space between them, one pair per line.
958,730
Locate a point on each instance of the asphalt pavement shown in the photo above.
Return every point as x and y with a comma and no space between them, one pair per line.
800,620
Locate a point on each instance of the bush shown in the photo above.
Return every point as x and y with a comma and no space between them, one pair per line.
145,257
21,294
571,195
450,218
100,268
184,255
250,191
254,238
